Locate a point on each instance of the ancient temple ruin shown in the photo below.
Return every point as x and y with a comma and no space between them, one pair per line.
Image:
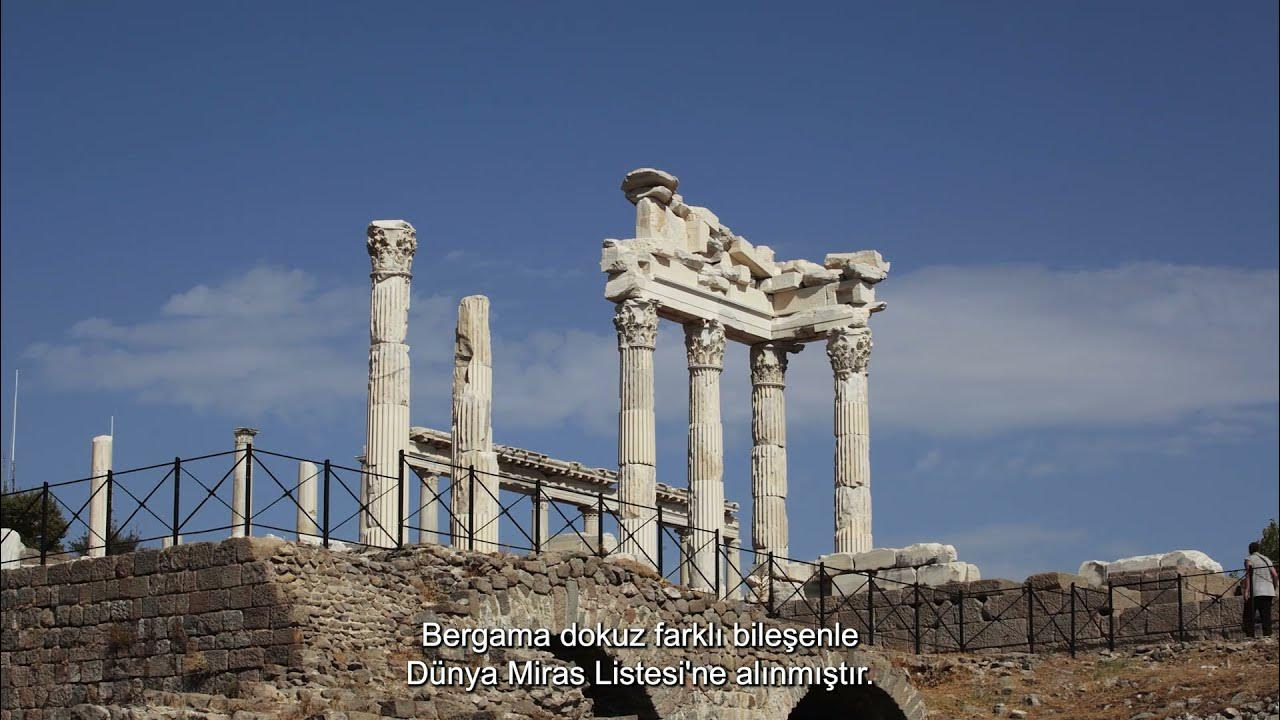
683,265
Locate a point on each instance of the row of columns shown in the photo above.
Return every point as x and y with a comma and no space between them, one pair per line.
849,351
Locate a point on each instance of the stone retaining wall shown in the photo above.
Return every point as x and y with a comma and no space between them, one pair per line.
309,632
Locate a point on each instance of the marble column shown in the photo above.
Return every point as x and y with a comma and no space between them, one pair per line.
473,429
241,503
391,245
308,531
733,570
99,523
769,448
428,507
540,516
704,345
637,324
591,527
850,351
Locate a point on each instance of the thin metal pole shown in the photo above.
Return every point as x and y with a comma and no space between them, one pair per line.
106,543
600,524
177,498
822,594
1031,626
248,490
715,555
1073,620
1111,616
962,621
326,503
44,523
769,579
400,531
871,610
1182,628
917,618
471,508
537,515
660,539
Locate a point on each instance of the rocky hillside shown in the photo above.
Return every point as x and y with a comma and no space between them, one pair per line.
1216,680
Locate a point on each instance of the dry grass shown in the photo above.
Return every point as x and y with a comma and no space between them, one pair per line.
1201,677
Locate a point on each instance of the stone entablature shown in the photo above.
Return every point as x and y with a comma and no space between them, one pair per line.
563,480
695,267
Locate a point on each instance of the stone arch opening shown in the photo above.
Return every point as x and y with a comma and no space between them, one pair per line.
862,702
608,701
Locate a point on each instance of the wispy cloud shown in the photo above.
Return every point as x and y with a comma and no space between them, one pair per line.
972,351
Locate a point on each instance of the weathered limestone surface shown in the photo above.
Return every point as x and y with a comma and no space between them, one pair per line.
428,517
241,503
925,554
473,430
769,533
391,245
704,346
849,350
11,547
307,516
99,466
697,268
1186,562
637,324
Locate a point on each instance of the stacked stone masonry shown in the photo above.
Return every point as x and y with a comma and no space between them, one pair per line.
303,631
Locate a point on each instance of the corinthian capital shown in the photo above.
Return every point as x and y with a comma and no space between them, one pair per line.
637,323
704,343
849,350
769,362
391,246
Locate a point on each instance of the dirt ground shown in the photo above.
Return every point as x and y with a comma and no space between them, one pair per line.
1171,680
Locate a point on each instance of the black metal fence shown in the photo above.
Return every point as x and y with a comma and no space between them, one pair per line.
193,499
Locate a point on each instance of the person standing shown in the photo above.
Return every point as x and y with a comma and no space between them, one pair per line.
1260,581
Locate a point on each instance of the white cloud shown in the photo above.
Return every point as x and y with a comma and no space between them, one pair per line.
960,351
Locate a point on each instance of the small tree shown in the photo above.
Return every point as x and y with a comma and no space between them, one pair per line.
21,511
1271,541
118,542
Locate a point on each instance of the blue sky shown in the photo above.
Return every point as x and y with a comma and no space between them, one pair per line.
1079,355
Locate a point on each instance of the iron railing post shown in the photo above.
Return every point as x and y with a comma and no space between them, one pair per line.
1072,640
1031,626
471,507
961,604
110,490
660,539
44,523
1111,616
248,490
822,595
325,490
537,515
400,522
600,524
769,579
715,555
177,498
871,610
916,622
1182,628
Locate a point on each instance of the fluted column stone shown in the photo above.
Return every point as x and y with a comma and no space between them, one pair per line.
769,529
308,531
428,507
850,352
391,245
99,523
241,503
473,429
704,347
637,325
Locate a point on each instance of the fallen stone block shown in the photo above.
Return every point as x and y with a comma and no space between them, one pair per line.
943,573
1189,561
1136,563
925,554
1094,572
